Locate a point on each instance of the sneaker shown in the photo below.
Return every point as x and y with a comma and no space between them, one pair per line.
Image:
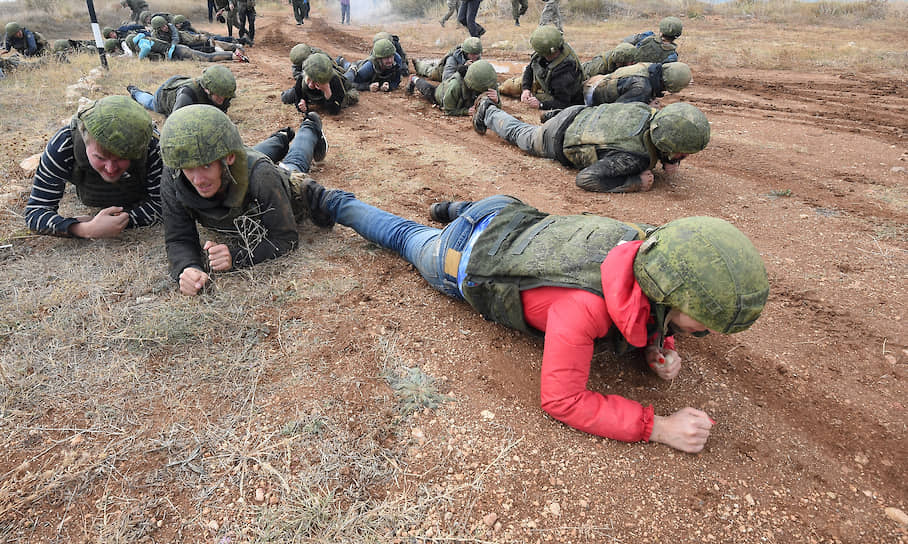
321,146
315,194
239,56
516,21
479,118
132,90
439,212
411,85
286,134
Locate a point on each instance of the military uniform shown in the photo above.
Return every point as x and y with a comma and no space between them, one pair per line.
551,14
611,144
137,7
160,50
641,82
228,14
31,44
580,281
362,74
457,94
440,70
300,10
658,48
245,13
609,61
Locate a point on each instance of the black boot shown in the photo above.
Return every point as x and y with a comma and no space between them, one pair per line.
438,212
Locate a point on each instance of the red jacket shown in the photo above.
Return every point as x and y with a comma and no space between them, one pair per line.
572,320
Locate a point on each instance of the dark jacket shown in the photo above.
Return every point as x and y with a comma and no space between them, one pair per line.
560,81
254,213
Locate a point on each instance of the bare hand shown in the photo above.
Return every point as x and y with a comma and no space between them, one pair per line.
646,180
666,363
192,280
325,88
301,106
492,94
386,86
218,256
373,87
527,98
686,430
108,223
671,168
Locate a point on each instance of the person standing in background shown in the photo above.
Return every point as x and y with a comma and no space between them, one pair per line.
345,12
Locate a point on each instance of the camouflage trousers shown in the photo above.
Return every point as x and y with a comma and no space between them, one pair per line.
431,69
551,15
453,7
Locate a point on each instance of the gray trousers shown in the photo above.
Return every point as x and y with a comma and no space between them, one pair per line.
537,140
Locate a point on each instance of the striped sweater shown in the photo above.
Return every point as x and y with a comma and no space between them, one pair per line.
55,170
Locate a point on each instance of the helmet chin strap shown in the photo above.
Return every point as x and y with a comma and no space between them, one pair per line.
660,312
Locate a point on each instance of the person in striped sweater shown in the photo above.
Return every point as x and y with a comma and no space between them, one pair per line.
108,152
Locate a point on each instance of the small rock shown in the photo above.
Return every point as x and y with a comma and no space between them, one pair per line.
896,169
76,440
583,503
861,459
259,495
832,496
159,523
274,499
750,500
490,519
897,516
213,526
487,414
555,509
418,434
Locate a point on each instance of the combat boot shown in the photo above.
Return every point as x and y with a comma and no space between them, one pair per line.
479,118
132,90
321,146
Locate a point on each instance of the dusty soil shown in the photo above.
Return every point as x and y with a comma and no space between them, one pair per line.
810,403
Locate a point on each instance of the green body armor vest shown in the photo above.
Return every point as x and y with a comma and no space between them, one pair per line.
166,96
543,75
607,90
91,187
652,49
609,126
523,248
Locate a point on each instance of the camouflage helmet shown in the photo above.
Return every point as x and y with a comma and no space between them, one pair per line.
219,80
157,22
299,53
670,26
11,28
707,269
179,19
60,46
481,76
319,68
679,128
119,124
383,48
111,45
624,53
546,40
106,30
472,46
382,36
145,16
675,76
197,135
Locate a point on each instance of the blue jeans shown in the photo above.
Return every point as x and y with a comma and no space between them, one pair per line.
145,99
299,157
434,252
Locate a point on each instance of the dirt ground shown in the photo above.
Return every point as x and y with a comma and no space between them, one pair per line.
810,403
